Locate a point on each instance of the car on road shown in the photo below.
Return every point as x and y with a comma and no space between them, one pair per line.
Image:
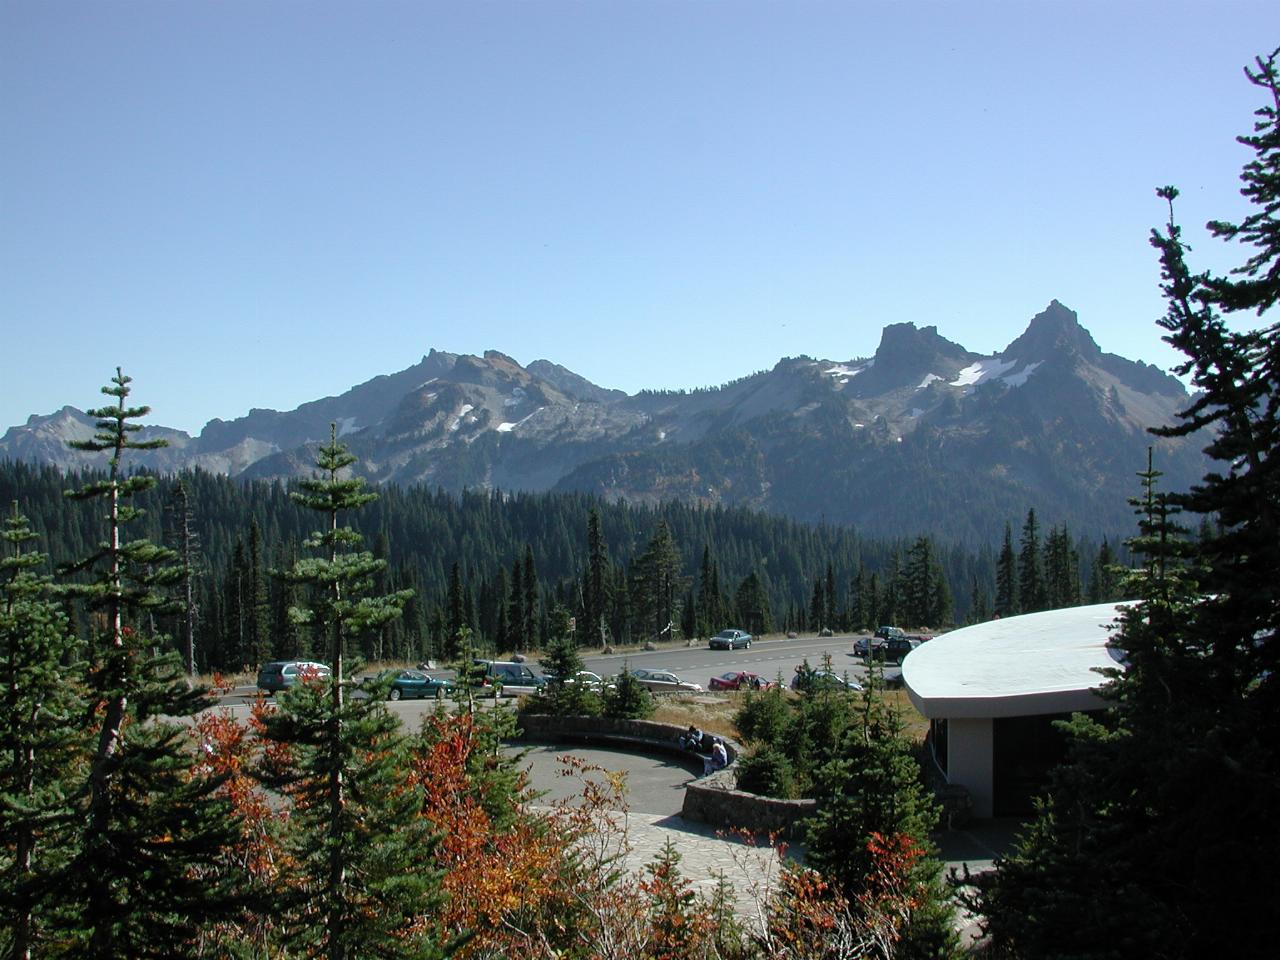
508,677
282,674
664,681
812,680
864,645
731,640
740,680
892,649
592,681
415,685
897,648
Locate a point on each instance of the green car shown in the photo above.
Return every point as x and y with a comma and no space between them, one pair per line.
415,685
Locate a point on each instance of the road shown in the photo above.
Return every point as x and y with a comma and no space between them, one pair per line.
769,658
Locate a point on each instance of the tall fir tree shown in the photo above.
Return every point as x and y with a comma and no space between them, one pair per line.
186,543
1030,572
529,628
595,598
42,736
1104,579
257,643
365,873
752,602
657,583
1007,578
143,880
1158,830
457,611
712,615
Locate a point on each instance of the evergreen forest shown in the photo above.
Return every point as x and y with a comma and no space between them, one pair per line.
501,564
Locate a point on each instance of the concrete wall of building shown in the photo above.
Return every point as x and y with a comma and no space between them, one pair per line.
971,760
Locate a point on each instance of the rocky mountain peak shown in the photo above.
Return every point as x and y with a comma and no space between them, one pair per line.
1055,330
906,353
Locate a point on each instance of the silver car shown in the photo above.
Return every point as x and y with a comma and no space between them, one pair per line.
663,681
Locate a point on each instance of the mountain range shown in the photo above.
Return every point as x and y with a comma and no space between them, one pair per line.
925,436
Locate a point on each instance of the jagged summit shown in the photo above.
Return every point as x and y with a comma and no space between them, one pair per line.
1055,330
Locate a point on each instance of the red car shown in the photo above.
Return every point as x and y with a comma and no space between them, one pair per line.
740,680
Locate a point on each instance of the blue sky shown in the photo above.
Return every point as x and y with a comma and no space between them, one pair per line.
255,204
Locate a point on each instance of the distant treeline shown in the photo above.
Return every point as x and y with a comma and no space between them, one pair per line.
504,563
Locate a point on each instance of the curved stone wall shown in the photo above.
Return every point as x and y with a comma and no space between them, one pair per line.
711,799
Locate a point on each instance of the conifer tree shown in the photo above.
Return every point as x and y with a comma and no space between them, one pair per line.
182,522
830,601
979,603
1030,574
1007,578
565,695
256,608
817,606
656,576
515,609
357,831
1061,570
752,602
595,601
711,605
142,881
457,610
1104,580
529,628
1159,828
41,734
873,787
857,598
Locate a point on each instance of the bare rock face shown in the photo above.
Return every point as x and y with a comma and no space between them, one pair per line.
925,435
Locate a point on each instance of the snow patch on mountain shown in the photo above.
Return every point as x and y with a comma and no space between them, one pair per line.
466,408
1019,378
928,380
845,373
509,426
982,371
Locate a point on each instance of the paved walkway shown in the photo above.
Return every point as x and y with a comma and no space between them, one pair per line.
652,819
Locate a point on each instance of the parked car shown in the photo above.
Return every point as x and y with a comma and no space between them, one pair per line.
897,648
282,674
415,685
663,681
592,681
740,680
810,680
890,633
864,645
893,649
731,640
509,677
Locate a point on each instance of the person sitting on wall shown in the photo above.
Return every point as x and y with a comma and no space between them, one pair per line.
718,760
691,739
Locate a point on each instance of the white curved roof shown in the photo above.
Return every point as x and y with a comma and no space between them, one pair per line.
1020,666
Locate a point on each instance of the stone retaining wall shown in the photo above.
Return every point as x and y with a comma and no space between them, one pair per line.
714,800
711,799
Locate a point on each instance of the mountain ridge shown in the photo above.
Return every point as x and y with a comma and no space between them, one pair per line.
923,433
